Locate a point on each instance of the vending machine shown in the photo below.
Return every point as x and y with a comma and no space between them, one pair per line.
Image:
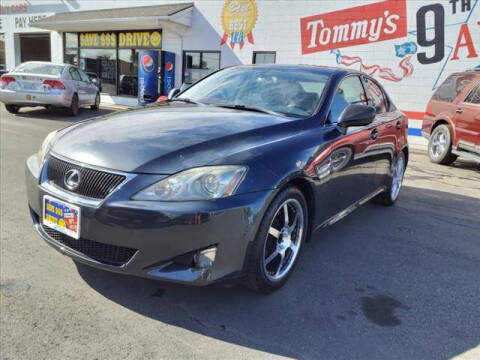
156,75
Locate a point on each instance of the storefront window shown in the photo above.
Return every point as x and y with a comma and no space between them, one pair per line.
263,57
3,66
70,55
103,62
198,64
128,72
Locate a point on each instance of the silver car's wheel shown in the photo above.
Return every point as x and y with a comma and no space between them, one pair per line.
397,178
440,146
96,105
284,239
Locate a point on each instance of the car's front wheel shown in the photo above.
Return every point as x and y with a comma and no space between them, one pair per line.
276,247
96,105
440,146
12,109
74,106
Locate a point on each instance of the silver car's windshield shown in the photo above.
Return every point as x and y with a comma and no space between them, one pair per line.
289,91
38,68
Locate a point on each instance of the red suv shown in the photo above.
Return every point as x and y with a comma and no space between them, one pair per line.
452,119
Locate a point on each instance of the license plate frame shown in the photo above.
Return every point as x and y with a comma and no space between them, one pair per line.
71,227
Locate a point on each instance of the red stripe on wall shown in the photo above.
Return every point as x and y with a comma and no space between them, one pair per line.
417,115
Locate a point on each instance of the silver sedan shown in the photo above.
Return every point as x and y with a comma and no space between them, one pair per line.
49,85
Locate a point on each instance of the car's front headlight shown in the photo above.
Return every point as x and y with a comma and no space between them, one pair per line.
45,147
203,183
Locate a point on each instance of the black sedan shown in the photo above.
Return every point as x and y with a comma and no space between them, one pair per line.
226,181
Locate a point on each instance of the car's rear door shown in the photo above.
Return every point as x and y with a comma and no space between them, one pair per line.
90,88
467,119
391,126
80,87
346,168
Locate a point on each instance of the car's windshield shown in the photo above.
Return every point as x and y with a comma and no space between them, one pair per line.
39,68
289,91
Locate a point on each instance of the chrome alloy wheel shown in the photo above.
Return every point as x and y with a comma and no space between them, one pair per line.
438,144
284,239
397,178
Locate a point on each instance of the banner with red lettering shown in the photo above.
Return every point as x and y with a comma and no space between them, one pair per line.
364,24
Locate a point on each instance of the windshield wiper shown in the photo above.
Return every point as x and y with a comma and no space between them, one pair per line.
248,108
186,100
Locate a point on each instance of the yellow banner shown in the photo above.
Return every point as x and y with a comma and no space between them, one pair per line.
139,39
105,40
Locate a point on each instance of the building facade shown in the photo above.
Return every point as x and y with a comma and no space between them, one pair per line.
411,46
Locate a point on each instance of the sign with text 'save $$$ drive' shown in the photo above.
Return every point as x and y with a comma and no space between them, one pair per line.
364,24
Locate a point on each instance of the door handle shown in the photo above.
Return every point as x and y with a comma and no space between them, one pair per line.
374,134
398,125
459,110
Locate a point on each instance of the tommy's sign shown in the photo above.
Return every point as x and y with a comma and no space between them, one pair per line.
365,24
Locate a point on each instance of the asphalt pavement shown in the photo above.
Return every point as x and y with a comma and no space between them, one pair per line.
383,283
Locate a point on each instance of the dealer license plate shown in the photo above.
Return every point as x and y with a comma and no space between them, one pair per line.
61,216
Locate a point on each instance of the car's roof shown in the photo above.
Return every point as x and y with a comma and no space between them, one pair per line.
45,62
327,70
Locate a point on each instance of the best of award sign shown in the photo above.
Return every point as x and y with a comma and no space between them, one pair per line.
238,20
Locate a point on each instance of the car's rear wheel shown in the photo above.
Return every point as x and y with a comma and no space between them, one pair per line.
74,106
13,109
278,241
96,106
440,146
390,195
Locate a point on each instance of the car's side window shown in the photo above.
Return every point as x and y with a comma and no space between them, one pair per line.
452,87
84,76
474,96
375,96
75,75
349,92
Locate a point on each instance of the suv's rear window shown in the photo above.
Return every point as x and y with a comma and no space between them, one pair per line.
452,86
43,69
474,96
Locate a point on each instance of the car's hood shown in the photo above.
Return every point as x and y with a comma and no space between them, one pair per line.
167,139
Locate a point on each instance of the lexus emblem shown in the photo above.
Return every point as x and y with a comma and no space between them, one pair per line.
72,179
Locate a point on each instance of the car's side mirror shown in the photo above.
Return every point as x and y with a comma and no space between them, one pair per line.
172,93
357,115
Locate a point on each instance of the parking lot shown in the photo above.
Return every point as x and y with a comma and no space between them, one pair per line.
396,283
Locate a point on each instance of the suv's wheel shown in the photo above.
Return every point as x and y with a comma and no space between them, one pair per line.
440,146
74,107
96,106
390,195
278,241
13,109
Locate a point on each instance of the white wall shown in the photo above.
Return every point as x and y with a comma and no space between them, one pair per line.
278,29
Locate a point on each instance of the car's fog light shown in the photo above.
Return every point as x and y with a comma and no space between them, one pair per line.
204,259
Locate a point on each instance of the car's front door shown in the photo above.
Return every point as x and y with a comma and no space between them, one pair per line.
467,119
346,168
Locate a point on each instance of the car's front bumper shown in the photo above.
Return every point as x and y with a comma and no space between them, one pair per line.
35,98
161,232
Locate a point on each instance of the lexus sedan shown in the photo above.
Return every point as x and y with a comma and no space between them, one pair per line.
225,181
45,84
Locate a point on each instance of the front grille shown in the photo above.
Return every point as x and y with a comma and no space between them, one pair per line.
104,253
94,184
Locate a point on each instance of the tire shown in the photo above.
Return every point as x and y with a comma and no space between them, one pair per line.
440,146
275,249
74,107
391,193
12,109
96,106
